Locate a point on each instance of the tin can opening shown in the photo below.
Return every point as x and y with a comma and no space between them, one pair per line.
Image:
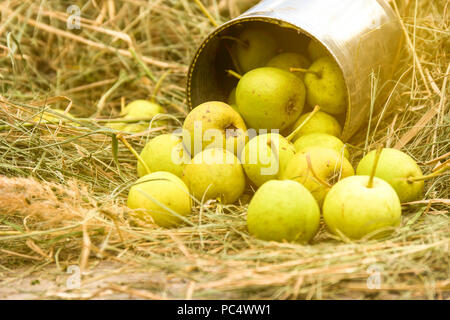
208,79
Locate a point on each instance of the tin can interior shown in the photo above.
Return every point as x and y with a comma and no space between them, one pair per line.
208,79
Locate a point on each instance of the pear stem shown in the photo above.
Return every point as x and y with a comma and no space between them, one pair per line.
206,13
446,164
318,74
321,181
234,74
294,133
374,168
138,157
438,173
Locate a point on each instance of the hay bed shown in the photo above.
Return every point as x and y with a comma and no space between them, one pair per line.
62,193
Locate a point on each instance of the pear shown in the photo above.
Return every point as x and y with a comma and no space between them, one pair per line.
232,97
164,153
396,168
320,122
288,60
283,211
355,209
321,140
325,86
316,50
254,49
141,109
119,126
47,117
215,174
318,169
266,156
160,197
232,100
270,98
214,124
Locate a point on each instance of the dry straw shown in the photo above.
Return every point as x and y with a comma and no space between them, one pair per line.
62,192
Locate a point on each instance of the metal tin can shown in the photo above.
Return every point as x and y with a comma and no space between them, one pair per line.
363,36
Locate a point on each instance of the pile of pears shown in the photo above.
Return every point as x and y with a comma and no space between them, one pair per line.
262,142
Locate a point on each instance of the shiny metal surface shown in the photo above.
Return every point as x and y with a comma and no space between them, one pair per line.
362,35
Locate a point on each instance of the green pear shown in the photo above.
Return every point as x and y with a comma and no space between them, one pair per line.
215,174
232,100
141,109
354,209
214,124
138,127
283,211
160,197
232,97
325,86
164,153
254,49
270,98
288,60
119,126
266,156
395,167
321,140
47,117
316,50
318,174
320,122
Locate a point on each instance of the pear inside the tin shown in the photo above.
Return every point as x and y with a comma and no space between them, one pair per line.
270,98
253,48
325,86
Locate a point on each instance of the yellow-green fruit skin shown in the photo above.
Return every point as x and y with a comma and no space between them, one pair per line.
214,118
164,153
329,90
288,60
141,109
155,197
321,122
321,140
356,210
327,164
232,100
259,48
395,167
270,98
115,126
283,211
265,157
316,50
232,97
215,174
48,117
